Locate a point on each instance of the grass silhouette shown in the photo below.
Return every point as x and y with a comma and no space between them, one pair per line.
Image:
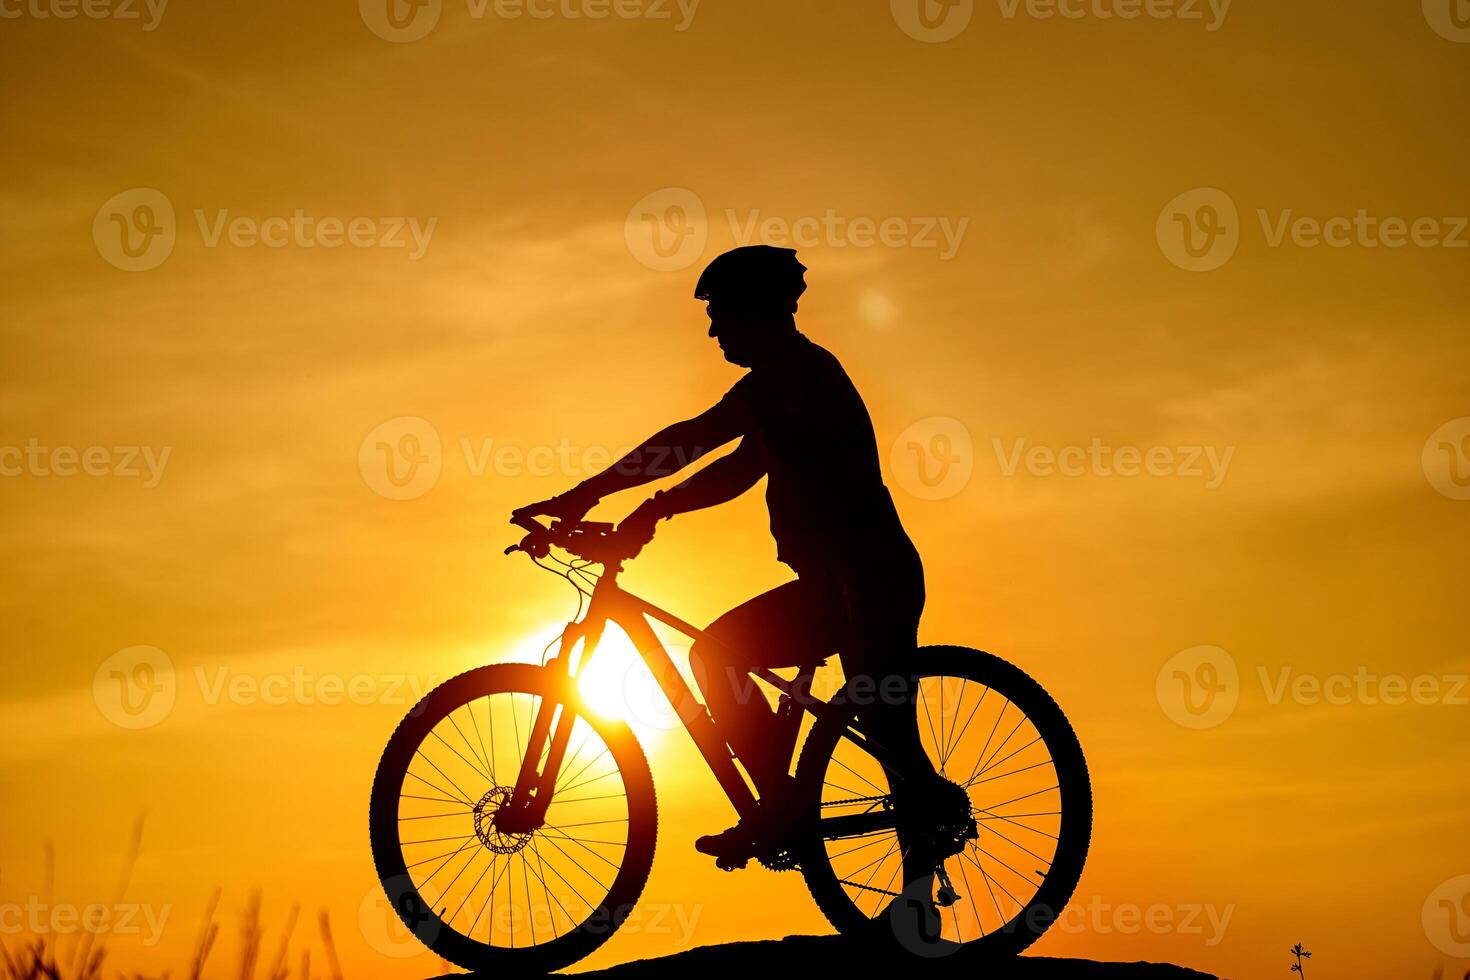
45,958
84,956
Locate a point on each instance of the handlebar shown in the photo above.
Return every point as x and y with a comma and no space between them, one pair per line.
590,540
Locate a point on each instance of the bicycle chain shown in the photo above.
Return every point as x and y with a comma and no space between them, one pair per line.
856,799
784,861
869,888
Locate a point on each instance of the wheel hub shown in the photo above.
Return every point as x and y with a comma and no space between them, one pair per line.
492,836
941,816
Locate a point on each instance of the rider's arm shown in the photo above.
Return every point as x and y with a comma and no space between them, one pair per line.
668,451
723,480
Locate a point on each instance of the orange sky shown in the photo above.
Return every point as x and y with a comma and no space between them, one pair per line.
1026,292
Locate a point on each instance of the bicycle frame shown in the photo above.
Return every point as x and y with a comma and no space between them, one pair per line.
552,727
531,797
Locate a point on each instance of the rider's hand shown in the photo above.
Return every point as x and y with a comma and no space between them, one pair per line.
570,506
636,530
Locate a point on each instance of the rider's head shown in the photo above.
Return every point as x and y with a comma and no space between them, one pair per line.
752,294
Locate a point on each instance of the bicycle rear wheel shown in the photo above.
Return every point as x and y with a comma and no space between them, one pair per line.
476,895
991,730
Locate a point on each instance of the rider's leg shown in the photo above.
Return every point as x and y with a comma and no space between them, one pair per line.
883,604
775,629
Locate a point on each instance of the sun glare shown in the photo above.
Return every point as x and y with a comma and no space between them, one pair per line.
616,683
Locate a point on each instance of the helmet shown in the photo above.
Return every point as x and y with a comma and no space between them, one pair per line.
762,274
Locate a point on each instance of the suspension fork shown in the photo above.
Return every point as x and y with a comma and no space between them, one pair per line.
535,784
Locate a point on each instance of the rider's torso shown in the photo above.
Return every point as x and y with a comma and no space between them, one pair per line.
828,504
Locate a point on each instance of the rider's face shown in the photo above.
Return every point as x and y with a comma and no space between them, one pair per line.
739,329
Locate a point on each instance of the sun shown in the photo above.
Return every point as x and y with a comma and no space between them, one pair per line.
616,683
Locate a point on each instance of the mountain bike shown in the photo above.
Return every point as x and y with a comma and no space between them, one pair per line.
513,826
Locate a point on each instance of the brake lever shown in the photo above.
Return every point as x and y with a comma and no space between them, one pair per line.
534,529
529,524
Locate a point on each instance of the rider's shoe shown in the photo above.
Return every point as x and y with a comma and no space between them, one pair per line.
732,849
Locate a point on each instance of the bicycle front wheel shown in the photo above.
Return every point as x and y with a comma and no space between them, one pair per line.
486,899
1012,761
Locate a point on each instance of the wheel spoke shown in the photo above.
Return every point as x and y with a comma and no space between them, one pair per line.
997,740
483,882
1009,755
1013,772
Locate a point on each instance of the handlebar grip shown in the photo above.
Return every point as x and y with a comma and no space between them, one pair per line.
529,524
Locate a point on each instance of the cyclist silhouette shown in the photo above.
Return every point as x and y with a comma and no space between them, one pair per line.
859,590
